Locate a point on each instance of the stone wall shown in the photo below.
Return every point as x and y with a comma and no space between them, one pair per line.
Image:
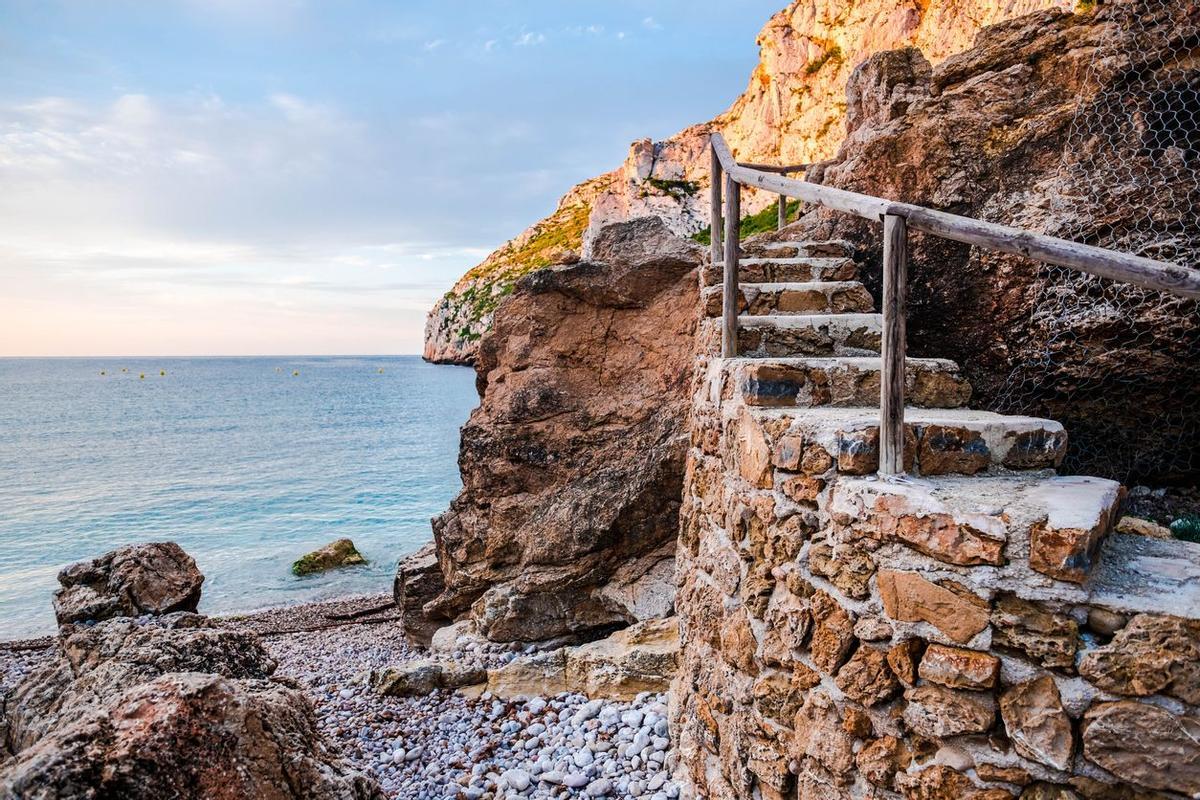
951,636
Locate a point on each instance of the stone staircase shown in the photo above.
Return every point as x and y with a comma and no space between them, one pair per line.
967,630
809,373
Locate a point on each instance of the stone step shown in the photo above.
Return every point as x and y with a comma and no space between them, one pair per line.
821,297
1019,525
786,270
792,249
843,382
780,336
937,441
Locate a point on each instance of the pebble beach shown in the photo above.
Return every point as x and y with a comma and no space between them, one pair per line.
446,744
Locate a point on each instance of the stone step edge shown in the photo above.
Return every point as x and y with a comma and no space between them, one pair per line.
1053,525
940,441
841,381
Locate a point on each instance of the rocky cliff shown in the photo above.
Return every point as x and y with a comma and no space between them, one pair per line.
573,462
1077,126
793,111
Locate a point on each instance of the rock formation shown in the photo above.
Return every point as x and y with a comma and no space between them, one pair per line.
146,705
793,111
338,553
572,464
1020,130
155,578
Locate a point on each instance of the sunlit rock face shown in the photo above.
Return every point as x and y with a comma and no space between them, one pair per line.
793,111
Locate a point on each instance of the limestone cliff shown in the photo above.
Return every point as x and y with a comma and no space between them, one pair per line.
793,111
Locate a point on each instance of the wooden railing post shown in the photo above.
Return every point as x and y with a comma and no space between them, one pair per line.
782,211
729,307
891,387
714,206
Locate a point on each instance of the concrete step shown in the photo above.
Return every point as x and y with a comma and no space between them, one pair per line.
1040,532
822,297
780,336
844,382
785,270
937,441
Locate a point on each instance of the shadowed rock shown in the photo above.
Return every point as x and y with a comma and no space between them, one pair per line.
156,578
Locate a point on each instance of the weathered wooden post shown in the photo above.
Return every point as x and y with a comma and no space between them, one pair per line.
729,307
891,385
714,206
782,211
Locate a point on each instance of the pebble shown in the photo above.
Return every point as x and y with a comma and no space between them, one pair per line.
445,746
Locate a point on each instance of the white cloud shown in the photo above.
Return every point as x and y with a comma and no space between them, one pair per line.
529,38
651,24
433,44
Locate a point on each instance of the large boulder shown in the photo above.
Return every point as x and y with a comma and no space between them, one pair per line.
1066,125
155,578
572,465
95,663
145,704
188,736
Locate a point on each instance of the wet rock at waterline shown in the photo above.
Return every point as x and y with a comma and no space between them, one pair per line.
340,553
155,578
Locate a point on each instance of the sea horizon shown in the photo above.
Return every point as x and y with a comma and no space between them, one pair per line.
247,465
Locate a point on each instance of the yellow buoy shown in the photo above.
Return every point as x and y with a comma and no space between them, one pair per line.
142,377
295,373
162,372
101,372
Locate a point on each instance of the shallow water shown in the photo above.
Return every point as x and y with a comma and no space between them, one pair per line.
245,464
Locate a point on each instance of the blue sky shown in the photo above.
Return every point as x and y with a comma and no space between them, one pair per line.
292,176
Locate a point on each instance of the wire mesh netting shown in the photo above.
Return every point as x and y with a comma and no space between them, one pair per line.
1119,365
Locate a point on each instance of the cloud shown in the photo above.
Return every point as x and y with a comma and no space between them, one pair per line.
529,38
649,23
433,44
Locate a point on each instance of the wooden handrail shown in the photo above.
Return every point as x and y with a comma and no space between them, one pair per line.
898,218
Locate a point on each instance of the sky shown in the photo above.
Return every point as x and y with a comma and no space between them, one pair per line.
253,177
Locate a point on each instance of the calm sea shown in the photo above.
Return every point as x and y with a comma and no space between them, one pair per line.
248,463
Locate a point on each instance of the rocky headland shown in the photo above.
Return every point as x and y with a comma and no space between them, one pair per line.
792,112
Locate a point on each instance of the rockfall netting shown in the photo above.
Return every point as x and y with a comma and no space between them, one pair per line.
1130,181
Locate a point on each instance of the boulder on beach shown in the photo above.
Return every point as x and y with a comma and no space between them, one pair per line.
341,553
154,578
640,658
145,704
190,736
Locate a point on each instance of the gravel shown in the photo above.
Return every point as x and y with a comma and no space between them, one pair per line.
445,744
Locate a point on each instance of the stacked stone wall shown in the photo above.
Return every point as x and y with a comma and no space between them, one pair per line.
956,635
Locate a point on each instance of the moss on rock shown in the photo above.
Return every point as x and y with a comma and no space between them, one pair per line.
341,553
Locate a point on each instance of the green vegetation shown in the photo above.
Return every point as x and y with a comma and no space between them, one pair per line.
1187,528
482,289
763,221
832,54
678,189
1084,6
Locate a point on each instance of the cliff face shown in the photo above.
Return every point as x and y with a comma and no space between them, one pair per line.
1059,124
573,462
793,111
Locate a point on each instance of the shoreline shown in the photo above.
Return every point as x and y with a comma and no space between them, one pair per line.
302,617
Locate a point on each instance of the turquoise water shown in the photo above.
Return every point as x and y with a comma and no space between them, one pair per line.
245,464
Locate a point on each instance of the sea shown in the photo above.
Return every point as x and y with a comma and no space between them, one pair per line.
247,463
